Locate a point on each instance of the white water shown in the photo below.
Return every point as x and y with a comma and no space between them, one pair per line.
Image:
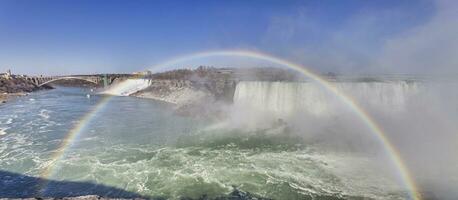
292,97
128,87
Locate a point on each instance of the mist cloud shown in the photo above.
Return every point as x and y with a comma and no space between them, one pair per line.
389,40
429,48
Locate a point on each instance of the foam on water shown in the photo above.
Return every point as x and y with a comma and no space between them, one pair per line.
44,113
3,130
196,171
145,158
9,121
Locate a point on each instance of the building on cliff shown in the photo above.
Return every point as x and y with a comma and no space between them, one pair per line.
6,75
143,73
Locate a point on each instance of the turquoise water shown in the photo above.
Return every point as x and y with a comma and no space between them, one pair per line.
142,147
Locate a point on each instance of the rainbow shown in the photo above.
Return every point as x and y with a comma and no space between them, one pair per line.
391,151
68,141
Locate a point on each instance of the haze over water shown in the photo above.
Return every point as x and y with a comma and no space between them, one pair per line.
376,116
162,154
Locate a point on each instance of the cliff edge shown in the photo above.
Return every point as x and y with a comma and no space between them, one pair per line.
11,86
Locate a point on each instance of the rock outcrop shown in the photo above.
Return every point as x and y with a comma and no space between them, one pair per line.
174,91
190,97
16,86
182,92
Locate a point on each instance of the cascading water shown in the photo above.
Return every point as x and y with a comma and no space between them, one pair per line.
128,87
291,97
144,147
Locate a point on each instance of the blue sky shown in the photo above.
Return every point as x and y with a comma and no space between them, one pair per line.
70,37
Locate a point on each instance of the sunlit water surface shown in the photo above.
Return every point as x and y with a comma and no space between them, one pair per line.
141,146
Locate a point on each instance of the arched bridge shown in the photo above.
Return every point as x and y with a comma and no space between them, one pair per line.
95,80
41,80
98,79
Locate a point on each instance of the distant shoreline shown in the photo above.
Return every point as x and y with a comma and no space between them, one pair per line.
12,86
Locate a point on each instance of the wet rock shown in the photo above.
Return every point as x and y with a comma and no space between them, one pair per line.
18,85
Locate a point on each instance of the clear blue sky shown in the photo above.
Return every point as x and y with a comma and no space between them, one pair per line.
79,36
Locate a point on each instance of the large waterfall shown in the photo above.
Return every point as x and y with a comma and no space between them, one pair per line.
127,87
290,97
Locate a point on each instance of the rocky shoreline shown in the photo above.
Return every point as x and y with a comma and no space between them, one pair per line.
187,92
12,86
198,93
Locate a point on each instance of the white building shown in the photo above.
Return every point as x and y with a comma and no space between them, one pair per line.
6,75
144,73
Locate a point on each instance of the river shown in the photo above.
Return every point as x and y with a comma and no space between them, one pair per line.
140,146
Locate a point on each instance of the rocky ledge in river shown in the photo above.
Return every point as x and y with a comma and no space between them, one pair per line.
190,97
194,92
183,92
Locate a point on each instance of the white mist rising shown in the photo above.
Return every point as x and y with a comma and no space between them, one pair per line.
419,118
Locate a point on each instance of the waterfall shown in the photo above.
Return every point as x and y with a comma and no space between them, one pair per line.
127,87
290,97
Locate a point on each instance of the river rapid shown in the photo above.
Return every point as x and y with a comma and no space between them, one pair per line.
141,146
